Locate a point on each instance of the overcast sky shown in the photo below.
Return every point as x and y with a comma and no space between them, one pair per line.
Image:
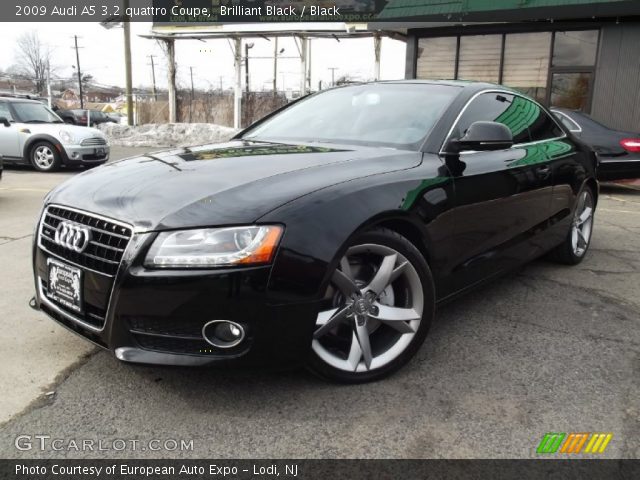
102,56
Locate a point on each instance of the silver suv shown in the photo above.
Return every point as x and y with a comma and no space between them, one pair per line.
31,133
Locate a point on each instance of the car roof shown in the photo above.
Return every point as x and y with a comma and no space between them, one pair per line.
466,84
18,99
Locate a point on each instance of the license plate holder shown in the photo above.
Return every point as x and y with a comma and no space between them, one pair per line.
65,285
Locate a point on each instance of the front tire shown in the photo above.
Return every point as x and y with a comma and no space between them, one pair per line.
376,312
44,157
576,244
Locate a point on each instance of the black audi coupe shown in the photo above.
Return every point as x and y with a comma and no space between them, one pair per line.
323,235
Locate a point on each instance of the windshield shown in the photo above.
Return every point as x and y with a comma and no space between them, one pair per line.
386,114
28,112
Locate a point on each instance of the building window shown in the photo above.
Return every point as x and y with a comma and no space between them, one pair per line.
571,90
437,58
480,58
575,48
526,63
556,68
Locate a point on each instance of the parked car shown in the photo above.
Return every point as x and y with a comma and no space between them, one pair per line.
618,151
72,117
324,234
78,116
116,117
31,133
97,117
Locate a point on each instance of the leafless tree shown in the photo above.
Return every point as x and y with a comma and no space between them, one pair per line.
33,60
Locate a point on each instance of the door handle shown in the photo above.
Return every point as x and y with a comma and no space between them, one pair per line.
543,171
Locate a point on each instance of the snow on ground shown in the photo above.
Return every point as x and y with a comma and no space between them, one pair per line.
166,135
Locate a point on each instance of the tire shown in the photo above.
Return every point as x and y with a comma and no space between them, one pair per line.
576,244
376,312
44,157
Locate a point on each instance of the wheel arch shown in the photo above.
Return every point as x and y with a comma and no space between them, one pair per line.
405,226
42,137
595,188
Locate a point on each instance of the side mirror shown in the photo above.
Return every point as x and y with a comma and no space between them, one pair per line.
483,136
5,122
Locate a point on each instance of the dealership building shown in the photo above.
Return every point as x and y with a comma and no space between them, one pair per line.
579,54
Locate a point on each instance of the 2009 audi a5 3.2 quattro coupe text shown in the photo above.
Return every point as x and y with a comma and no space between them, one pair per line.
324,234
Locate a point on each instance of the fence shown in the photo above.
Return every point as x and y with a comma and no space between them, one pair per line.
210,107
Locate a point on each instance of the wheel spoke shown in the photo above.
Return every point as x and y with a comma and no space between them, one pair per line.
355,352
581,238
329,319
382,277
345,284
581,201
586,214
396,317
362,336
346,267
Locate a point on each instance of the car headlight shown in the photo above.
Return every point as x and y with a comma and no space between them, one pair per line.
214,247
66,137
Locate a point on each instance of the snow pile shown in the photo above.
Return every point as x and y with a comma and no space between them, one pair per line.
166,134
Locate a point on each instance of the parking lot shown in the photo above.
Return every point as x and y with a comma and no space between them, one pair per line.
546,349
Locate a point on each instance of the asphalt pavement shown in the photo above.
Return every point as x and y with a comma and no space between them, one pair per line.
546,349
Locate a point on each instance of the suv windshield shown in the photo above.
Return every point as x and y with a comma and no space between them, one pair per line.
398,115
27,112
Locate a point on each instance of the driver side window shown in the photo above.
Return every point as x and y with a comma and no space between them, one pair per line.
5,111
510,110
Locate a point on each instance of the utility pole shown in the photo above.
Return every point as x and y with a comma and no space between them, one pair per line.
78,68
49,82
127,61
275,66
246,67
333,75
192,94
153,76
192,91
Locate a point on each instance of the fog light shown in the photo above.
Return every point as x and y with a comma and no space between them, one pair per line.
223,333
75,155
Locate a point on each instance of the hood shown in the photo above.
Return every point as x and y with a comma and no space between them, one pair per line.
236,182
77,132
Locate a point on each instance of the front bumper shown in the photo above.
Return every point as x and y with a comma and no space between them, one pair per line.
156,317
85,155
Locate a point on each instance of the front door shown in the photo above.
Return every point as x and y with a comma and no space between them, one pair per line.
9,143
502,197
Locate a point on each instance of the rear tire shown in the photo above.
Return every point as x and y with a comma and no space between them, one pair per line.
576,244
44,157
377,310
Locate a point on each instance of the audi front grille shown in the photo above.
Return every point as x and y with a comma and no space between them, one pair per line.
102,254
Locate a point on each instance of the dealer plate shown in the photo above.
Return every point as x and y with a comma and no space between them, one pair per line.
65,285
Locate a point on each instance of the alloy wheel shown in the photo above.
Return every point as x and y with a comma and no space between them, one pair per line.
582,224
44,157
373,310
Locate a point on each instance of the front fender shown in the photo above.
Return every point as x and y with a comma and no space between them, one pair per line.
321,225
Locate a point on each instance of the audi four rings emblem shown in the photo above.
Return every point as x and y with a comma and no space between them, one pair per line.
72,236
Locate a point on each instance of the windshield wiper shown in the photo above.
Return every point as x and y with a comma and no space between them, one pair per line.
34,121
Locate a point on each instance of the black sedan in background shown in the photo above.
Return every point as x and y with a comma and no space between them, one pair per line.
324,235
618,152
